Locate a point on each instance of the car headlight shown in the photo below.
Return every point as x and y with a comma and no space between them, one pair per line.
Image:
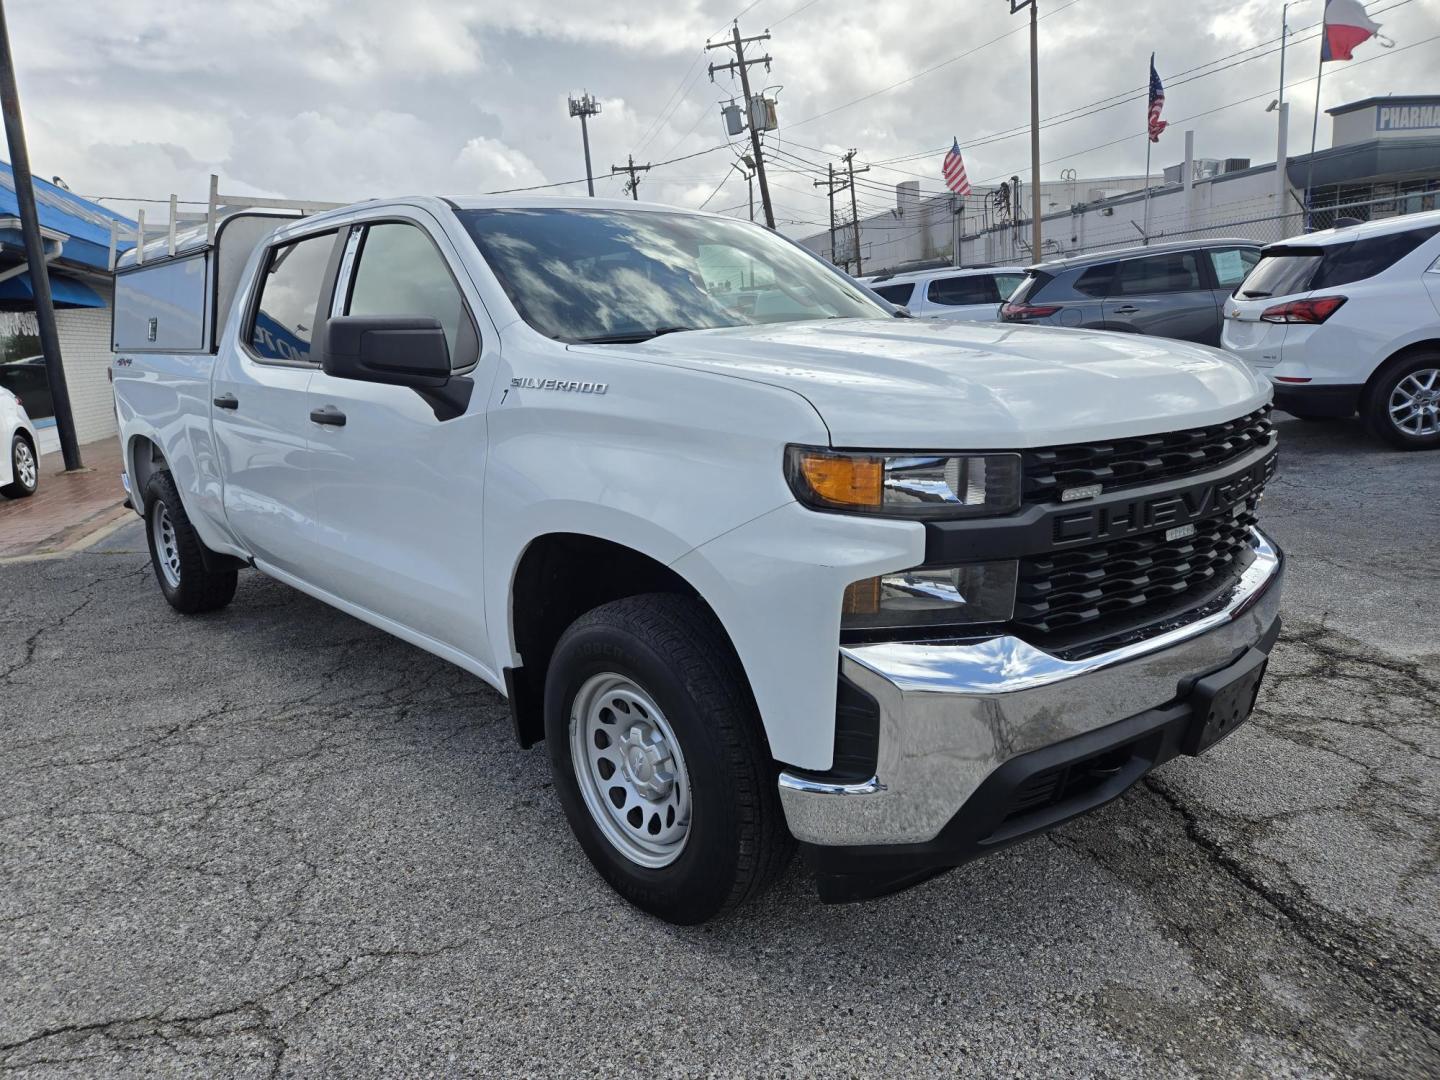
932,597
905,485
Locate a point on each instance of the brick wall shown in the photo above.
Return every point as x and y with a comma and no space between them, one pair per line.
85,345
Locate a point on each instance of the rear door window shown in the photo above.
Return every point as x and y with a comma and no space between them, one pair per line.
1096,281
959,291
1232,265
289,294
896,294
401,272
1174,271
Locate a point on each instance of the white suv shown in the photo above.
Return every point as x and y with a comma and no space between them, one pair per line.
969,295
1349,319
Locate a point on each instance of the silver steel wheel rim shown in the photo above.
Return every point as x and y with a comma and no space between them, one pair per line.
1415,403
167,550
25,463
630,770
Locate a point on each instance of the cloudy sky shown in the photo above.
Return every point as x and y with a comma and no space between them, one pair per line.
348,99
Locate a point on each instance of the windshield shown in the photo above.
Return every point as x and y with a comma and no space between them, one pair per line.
608,276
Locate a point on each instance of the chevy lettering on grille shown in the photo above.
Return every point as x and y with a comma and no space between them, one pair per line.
1166,510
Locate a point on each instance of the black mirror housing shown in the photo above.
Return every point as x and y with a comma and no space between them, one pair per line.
397,350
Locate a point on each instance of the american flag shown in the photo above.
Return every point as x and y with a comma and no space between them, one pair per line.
1157,102
954,170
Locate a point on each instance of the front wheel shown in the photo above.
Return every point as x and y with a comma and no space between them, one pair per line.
175,552
24,469
1403,404
659,760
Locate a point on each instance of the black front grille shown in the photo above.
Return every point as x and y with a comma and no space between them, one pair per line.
1101,585
1124,463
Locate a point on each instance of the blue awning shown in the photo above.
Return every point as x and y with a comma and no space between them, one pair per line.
66,292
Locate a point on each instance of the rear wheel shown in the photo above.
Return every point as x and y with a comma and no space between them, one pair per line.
176,553
24,469
1403,404
659,760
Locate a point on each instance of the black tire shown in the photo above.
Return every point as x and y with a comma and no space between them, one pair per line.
194,588
672,648
1376,406
18,488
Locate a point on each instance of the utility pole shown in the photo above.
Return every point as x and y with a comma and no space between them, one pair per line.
832,187
585,107
633,184
35,252
1017,6
742,66
850,170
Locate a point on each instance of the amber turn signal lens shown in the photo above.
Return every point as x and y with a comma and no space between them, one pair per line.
844,480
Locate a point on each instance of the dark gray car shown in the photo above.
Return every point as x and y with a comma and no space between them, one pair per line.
1170,290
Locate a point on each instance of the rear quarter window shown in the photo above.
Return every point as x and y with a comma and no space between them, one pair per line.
1344,263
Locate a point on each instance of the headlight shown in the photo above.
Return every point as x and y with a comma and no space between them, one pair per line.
931,597
905,485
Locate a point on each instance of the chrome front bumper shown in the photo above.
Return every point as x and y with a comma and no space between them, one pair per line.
952,714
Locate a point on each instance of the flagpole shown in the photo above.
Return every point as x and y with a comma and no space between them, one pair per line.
1314,129
1146,230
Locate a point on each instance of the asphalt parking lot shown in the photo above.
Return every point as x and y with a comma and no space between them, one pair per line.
274,841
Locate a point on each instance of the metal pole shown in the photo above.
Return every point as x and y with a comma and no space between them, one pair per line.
585,138
1281,157
35,251
1314,130
750,186
1145,232
1035,243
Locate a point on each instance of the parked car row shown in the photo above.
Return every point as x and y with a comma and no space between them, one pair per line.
1341,321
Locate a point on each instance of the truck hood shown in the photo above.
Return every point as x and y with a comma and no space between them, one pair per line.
924,384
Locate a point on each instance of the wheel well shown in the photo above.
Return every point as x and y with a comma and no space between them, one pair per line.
146,459
560,577
1431,345
20,431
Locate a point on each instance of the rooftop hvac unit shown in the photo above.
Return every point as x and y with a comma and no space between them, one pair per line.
1236,164
734,123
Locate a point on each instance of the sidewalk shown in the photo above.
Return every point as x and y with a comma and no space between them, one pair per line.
67,507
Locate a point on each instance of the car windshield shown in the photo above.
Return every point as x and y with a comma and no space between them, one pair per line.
1281,272
609,276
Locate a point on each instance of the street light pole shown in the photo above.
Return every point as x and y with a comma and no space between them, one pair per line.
1036,243
35,252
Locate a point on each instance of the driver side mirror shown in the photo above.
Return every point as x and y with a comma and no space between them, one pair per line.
397,350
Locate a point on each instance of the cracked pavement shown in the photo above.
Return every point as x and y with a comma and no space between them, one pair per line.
273,841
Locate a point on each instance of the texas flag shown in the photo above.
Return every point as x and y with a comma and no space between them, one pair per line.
1346,25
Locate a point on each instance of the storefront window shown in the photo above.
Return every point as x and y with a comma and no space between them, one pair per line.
22,367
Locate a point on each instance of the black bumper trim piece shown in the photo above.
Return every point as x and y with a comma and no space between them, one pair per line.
1079,774
1328,401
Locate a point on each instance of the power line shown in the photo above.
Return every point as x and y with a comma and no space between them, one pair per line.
927,71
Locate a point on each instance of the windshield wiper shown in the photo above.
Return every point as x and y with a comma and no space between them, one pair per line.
633,336
1254,294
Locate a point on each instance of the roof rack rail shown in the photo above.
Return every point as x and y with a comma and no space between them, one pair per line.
219,206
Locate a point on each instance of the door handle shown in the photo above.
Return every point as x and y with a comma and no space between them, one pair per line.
328,415
1128,309
227,401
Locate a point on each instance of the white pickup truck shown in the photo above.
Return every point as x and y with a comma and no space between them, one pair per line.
759,559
